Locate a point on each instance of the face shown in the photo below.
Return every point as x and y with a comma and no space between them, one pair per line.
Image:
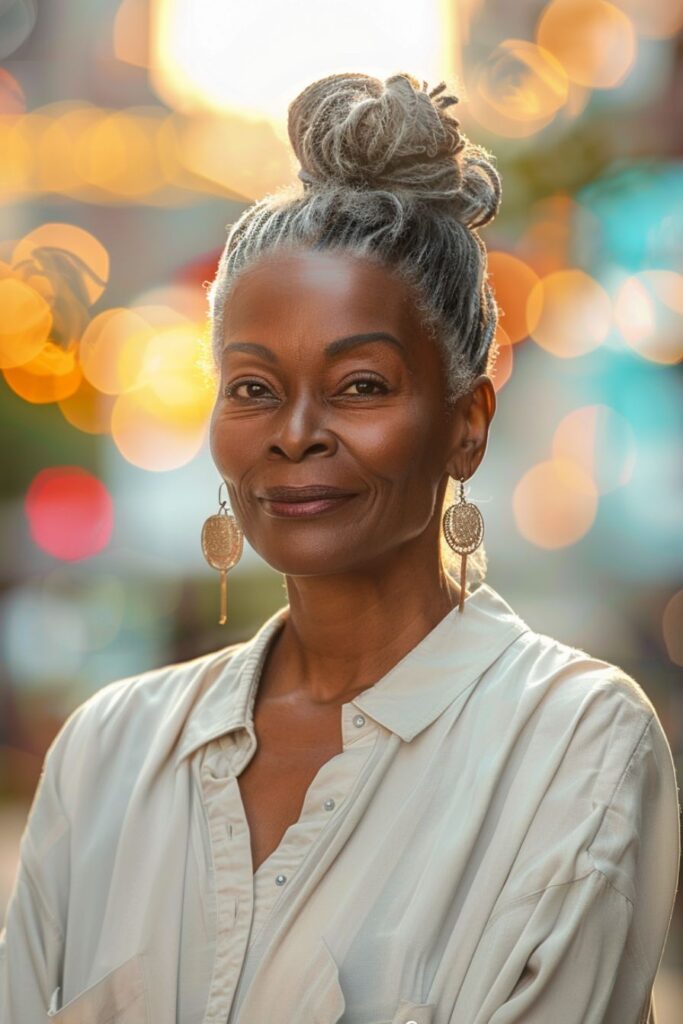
327,378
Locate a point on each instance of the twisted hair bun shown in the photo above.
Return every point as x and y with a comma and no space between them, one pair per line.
357,131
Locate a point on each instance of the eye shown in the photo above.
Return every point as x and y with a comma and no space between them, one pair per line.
375,382
230,390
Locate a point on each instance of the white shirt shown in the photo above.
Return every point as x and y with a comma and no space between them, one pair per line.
497,843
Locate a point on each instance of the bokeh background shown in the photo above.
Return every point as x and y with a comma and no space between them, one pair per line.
132,134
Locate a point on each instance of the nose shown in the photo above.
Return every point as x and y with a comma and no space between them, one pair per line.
301,426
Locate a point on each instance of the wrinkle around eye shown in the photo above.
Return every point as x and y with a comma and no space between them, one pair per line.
381,388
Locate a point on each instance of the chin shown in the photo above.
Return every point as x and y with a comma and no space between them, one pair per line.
312,565
308,561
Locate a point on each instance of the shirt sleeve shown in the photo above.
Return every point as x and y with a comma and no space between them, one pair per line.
587,951
31,942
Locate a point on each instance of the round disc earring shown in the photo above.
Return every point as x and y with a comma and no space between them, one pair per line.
463,527
222,544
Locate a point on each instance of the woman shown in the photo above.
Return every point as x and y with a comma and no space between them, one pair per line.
396,802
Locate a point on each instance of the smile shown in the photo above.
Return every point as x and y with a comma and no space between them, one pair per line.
313,507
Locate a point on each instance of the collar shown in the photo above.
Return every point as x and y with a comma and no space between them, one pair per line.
408,698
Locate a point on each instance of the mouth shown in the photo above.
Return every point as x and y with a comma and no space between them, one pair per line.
309,507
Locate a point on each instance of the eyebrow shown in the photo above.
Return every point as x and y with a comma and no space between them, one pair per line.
331,349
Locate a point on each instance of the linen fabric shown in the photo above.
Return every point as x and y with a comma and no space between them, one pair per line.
496,843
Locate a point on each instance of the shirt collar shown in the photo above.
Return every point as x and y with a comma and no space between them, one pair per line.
405,700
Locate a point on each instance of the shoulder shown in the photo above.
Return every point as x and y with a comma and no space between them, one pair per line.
571,712
590,726
126,718
557,679
591,761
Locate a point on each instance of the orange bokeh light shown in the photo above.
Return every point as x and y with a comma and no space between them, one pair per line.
648,311
150,434
555,503
571,312
594,41
88,256
513,281
654,19
26,321
601,441
518,89
112,349
88,409
118,152
50,376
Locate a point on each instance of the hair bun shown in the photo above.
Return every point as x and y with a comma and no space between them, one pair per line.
354,130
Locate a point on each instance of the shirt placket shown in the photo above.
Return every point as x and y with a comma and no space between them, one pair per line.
294,859
324,799
234,893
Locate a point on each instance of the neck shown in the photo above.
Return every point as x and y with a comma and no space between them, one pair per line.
345,631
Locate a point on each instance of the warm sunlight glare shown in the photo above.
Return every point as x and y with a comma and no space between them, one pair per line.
253,58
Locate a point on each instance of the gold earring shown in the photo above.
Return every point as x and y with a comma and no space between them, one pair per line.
222,543
463,527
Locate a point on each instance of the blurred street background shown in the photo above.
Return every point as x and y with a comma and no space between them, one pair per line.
132,134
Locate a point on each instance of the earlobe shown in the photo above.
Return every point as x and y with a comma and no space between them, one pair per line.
477,456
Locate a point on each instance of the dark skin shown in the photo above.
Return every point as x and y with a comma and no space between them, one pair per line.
364,582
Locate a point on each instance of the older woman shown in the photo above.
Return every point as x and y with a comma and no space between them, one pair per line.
396,802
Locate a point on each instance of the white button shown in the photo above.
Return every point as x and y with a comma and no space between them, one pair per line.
280,879
411,1022
358,721
329,804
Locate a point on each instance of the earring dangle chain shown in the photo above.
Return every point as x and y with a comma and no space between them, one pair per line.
463,527
222,545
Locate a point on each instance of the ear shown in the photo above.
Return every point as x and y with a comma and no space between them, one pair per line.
472,418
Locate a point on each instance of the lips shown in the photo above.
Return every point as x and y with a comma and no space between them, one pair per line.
311,492
311,506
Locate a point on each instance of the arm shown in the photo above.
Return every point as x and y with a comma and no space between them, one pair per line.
587,951
568,947
31,943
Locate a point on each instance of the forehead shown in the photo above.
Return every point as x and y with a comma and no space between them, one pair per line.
322,291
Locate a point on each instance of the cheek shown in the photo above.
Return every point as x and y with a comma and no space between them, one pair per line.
233,444
399,445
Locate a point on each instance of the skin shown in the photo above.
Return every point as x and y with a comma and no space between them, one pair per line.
364,582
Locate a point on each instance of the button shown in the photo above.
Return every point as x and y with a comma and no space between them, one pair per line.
280,879
329,804
358,721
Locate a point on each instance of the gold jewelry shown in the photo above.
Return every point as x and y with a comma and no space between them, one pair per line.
463,527
222,543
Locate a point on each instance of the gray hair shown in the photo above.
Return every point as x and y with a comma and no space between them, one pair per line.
386,175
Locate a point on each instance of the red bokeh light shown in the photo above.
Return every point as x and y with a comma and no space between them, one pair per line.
70,513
